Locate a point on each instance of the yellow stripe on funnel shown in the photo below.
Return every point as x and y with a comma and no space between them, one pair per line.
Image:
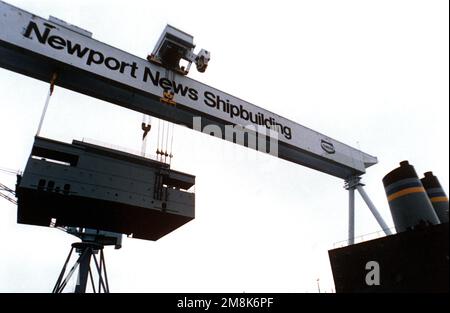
439,199
405,192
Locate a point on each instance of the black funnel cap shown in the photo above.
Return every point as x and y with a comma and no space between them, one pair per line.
430,181
405,170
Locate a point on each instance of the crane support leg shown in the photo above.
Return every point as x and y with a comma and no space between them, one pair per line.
351,184
374,210
87,251
351,216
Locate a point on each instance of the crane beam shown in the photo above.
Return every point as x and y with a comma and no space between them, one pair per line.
38,47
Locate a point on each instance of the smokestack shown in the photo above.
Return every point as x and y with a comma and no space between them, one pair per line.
436,195
408,200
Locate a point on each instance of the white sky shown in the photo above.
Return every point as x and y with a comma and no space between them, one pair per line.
372,74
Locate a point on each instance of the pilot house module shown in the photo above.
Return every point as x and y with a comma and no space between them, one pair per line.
86,185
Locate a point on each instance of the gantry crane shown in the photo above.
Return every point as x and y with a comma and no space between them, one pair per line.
54,51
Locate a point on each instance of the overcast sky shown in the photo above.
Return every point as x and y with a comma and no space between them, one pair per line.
371,74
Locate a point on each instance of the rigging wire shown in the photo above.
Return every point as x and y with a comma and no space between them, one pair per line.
47,101
9,171
7,193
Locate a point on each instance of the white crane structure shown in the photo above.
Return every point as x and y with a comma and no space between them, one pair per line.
46,49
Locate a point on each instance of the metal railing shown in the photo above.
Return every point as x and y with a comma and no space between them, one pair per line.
120,148
365,237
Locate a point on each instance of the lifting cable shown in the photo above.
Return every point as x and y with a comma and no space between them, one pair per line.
171,145
163,153
167,143
157,144
164,146
50,92
168,150
162,141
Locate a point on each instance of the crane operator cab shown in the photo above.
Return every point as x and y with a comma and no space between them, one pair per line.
175,45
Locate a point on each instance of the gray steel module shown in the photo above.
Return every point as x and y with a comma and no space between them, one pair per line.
85,185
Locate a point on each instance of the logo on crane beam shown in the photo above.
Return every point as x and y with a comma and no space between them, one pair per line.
327,146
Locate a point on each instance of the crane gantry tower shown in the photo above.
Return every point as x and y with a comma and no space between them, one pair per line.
52,50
